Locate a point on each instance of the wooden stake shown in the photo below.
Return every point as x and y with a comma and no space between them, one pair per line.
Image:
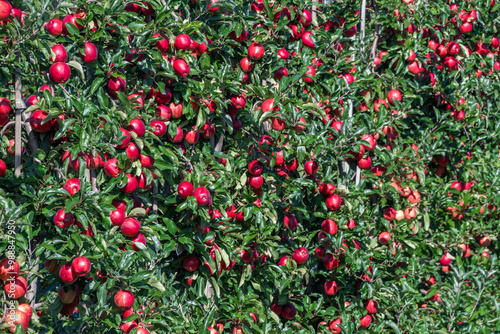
20,106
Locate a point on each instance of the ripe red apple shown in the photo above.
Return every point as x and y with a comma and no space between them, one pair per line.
140,238
289,311
163,111
36,120
365,321
329,226
26,309
311,167
307,40
283,54
111,167
384,238
394,95
246,65
331,288
71,19
300,255
290,222
178,137
371,306
334,202
162,44
160,128
311,72
5,106
445,260
8,269
17,317
130,227
330,262
136,125
255,51
64,219
5,9
182,42
326,189
117,217
55,27
389,214
131,185
116,84
192,136
181,68
276,308
59,72
90,53
124,299
185,189
81,266
202,196
60,54
334,326
126,140
67,275
133,151
191,263
255,181
72,186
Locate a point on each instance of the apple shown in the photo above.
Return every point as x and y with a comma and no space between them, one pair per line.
326,189
162,44
36,120
331,288
290,222
333,202
192,136
17,317
311,72
71,19
307,40
8,269
178,137
130,227
212,330
456,185
191,263
300,255
67,275
64,219
124,299
202,196
445,260
185,189
181,68
389,214
136,125
207,130
394,94
60,53
66,294
255,51
81,266
238,101
140,238
5,106
485,241
72,186
133,151
131,185
371,306
384,238
90,53
276,308
289,311
111,168
55,27
160,128
182,42
59,72
117,217
255,168
246,65
126,140
292,165
5,10
26,309
255,181
163,111
283,54
116,84
365,321
311,167
329,226
330,262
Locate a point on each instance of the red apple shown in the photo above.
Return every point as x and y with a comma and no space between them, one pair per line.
300,255
255,51
185,189
202,196
9,268
90,53
289,311
384,238
124,299
131,185
67,275
331,288
329,226
334,202
117,217
59,72
311,167
81,266
72,186
130,227
64,219
60,53
55,27
191,263
160,128
136,125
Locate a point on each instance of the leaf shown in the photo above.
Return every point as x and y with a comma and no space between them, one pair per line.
77,66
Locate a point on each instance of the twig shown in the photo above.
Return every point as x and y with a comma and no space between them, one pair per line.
477,301
6,127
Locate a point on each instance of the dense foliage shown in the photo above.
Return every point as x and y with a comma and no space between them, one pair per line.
251,167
